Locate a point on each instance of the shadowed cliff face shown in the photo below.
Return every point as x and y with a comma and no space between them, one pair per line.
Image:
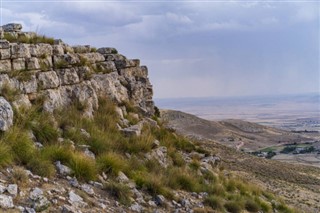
37,67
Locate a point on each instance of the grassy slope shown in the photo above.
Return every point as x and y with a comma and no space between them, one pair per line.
226,191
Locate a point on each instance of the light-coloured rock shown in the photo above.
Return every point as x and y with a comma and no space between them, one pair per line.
136,207
20,51
62,169
68,76
12,189
36,194
30,85
5,65
58,49
2,188
108,85
45,50
33,63
76,200
160,154
41,204
134,130
87,188
48,80
65,60
4,44
6,202
53,99
5,54
6,115
122,178
90,154
19,64
92,57
45,63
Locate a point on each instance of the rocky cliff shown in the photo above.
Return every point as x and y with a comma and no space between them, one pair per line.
36,66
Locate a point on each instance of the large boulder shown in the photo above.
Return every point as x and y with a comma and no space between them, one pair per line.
6,115
12,27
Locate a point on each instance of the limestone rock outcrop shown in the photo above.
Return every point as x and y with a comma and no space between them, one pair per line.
61,74
6,114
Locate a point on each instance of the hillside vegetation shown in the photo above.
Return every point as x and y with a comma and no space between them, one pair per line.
63,134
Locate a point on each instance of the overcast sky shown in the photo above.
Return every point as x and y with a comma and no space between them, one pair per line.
193,48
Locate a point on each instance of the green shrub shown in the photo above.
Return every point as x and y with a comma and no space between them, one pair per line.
194,165
214,202
120,191
9,93
111,163
83,167
19,176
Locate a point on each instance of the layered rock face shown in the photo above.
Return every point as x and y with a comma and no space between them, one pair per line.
61,74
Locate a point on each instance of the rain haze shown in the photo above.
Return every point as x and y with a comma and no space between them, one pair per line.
193,49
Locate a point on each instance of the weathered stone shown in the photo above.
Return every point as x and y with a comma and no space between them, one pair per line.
57,49
160,154
13,189
20,51
92,57
19,64
61,61
76,200
30,85
5,65
33,63
106,67
6,115
2,188
84,73
107,50
6,202
45,63
160,200
136,207
45,50
122,178
90,154
108,85
36,193
12,27
62,169
4,44
53,99
82,49
68,76
87,188
134,130
48,80
5,54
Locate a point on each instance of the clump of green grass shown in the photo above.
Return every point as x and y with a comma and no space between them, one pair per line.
9,93
60,64
233,206
120,191
251,206
112,163
83,167
29,40
19,176
41,167
214,202
6,157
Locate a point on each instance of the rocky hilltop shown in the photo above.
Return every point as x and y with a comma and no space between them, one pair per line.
80,133
62,74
